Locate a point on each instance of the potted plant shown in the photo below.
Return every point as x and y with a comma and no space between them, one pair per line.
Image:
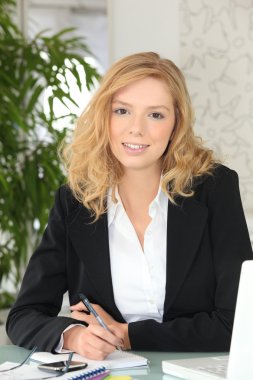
30,170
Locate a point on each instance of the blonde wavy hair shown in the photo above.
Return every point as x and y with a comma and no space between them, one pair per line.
92,168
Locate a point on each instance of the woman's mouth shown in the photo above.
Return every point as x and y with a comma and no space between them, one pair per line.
135,148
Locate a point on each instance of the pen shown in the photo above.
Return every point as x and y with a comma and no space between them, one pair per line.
91,309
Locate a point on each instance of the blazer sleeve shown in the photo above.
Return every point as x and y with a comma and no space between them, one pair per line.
208,330
33,319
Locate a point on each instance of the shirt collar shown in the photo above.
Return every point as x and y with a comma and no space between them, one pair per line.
160,202
113,208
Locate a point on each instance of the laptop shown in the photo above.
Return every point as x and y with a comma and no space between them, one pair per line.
239,364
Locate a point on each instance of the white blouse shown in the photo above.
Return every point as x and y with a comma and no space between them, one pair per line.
138,276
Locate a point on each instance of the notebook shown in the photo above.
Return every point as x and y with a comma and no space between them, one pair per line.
116,360
239,364
27,372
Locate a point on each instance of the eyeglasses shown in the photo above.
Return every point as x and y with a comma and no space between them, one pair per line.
42,378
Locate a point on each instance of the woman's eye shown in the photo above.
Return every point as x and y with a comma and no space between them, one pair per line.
157,115
120,111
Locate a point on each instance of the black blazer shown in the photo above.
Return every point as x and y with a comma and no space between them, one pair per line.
207,240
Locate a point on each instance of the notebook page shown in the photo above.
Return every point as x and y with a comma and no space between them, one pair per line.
116,360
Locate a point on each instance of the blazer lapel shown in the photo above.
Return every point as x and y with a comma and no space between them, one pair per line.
185,225
92,245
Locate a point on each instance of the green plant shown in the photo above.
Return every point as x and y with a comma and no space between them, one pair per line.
30,170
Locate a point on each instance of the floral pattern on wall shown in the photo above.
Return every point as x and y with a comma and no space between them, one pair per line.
217,59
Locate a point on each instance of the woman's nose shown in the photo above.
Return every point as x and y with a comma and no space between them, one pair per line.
137,126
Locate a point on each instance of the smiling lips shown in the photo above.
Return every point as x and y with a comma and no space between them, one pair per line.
135,148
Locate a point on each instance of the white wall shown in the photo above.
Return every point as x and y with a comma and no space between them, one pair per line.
143,25
217,59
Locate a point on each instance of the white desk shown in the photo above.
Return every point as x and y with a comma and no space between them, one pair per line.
17,354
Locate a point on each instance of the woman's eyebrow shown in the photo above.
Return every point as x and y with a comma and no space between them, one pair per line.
121,102
158,106
148,108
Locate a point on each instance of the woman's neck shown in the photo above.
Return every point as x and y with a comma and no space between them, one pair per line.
138,189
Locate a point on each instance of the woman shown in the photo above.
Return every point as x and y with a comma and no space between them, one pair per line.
150,227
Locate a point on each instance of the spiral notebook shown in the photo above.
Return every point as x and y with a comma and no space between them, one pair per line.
116,360
27,372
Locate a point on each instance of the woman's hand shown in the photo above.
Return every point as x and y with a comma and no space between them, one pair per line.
93,342
120,330
79,312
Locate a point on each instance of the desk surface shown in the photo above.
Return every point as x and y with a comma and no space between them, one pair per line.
17,354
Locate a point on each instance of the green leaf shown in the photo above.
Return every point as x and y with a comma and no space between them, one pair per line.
63,32
4,182
34,98
76,74
27,86
16,116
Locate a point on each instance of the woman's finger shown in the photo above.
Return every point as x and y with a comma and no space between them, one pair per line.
81,316
106,338
78,306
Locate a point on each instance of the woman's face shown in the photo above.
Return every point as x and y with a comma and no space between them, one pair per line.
142,122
